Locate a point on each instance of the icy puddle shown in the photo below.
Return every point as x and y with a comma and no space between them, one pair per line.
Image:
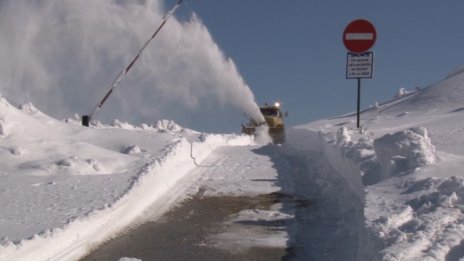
208,228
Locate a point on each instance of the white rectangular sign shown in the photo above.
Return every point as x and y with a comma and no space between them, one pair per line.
359,65
359,36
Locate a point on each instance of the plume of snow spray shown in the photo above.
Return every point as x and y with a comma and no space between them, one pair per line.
262,135
129,66
62,55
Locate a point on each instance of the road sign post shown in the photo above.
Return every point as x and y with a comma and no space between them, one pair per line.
359,36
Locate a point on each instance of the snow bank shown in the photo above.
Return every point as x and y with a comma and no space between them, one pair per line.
167,125
374,160
404,151
122,125
339,150
336,183
402,92
410,158
334,151
402,227
417,219
161,126
29,108
149,186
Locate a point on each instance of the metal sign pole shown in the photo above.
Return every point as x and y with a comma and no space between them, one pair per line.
359,102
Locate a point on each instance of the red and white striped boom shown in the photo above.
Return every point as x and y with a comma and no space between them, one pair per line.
128,67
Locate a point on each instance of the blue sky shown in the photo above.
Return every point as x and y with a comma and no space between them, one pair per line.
292,51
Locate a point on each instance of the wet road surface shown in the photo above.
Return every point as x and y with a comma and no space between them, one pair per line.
182,234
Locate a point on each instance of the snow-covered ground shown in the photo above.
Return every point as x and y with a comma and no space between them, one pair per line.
65,188
410,154
393,190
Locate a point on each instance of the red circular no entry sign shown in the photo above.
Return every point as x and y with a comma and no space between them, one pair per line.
359,36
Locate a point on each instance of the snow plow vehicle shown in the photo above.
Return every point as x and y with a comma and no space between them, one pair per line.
274,118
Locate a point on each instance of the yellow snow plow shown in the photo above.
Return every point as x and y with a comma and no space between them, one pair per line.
273,118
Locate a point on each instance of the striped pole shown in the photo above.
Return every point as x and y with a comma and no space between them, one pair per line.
127,69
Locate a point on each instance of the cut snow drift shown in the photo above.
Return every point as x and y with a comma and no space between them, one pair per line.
167,125
404,151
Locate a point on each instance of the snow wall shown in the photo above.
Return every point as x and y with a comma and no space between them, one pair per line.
303,140
346,167
337,180
365,161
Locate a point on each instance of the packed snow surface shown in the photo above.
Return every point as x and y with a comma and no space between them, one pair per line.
392,190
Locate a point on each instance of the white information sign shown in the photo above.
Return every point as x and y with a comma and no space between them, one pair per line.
359,65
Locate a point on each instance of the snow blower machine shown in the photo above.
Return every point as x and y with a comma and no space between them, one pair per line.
273,118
